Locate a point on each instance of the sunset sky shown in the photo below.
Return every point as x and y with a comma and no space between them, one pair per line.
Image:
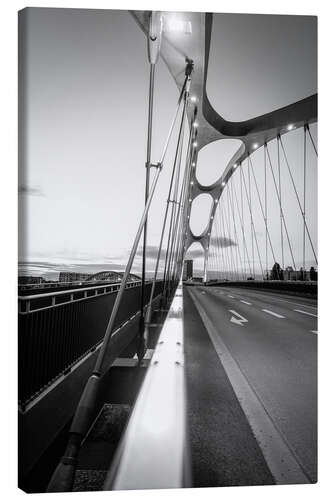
85,82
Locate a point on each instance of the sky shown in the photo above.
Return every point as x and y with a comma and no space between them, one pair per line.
81,185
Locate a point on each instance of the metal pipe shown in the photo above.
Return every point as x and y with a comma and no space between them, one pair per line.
304,199
148,159
63,477
149,309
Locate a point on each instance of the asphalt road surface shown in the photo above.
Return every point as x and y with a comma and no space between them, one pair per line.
271,339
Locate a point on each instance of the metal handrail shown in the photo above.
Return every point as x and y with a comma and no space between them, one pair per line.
154,450
75,290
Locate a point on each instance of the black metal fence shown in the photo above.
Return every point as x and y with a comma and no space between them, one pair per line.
56,330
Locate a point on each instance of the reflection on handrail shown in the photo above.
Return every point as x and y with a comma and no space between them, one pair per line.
154,450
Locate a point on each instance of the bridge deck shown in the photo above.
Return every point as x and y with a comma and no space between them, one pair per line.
266,344
224,450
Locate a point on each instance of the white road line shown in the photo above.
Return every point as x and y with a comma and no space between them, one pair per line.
305,312
247,303
273,313
231,296
254,294
280,458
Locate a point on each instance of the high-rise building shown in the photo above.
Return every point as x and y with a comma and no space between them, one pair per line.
188,270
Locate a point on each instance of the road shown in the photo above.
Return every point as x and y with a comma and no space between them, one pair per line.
271,339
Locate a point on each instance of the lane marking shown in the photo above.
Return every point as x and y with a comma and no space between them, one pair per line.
254,294
239,321
231,296
305,312
273,313
247,303
282,461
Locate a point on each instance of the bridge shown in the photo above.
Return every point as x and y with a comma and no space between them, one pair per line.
165,383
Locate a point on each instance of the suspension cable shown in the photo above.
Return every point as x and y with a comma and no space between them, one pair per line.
312,141
217,230
181,220
262,210
63,476
231,202
241,219
234,219
228,255
229,235
277,194
304,195
266,232
280,202
297,197
218,236
253,228
149,310
173,239
250,206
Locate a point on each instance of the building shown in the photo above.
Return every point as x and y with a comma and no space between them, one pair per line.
188,270
68,277
30,280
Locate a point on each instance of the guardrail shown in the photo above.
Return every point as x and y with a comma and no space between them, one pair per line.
46,300
296,287
58,329
154,451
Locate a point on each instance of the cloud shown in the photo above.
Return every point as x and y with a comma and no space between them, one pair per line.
222,242
29,190
42,267
151,252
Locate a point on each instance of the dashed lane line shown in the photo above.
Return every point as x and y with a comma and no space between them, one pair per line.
247,303
255,295
273,313
305,312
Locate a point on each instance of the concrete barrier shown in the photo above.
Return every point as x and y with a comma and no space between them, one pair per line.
307,288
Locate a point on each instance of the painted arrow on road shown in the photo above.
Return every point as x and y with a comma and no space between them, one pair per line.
239,321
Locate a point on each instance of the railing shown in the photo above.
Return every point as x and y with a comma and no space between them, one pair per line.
58,284
154,450
303,287
58,329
